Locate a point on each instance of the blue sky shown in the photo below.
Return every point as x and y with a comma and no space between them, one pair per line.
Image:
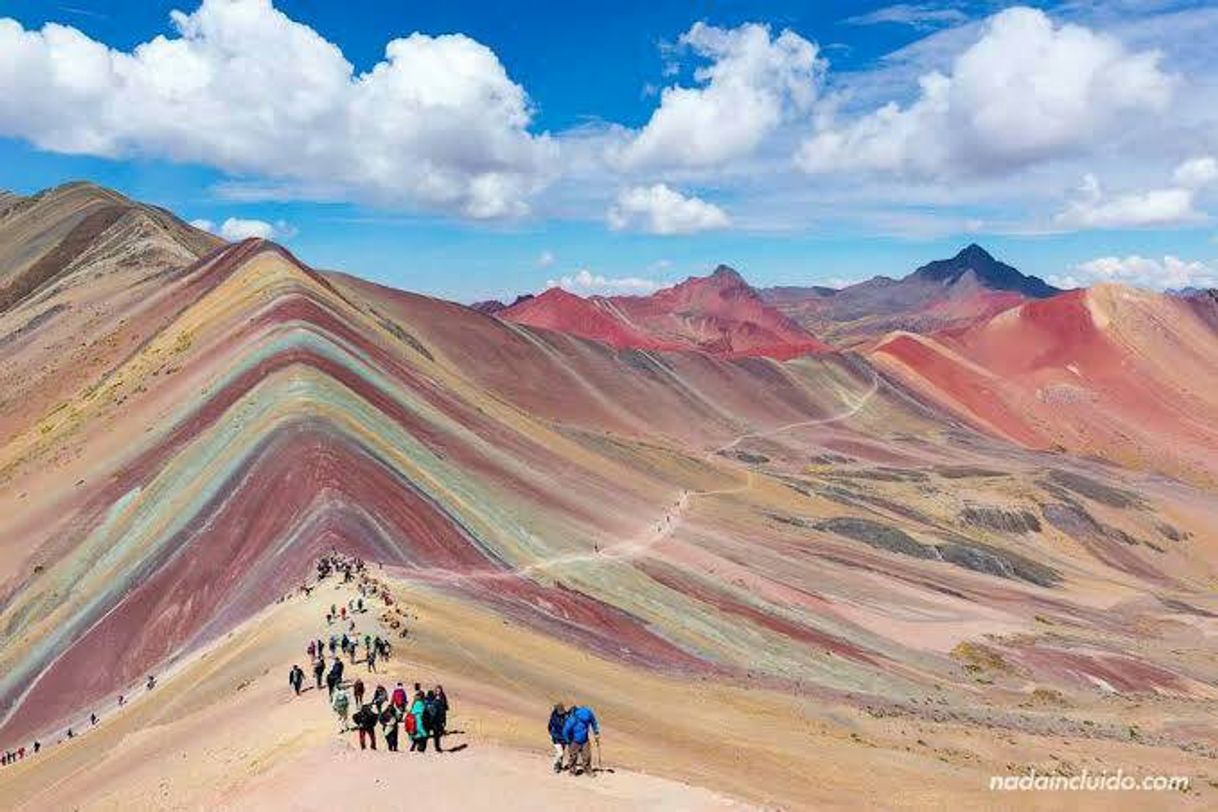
507,146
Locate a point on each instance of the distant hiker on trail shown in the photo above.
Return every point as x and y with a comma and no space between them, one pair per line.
333,644
151,682
365,720
312,649
399,699
296,678
341,705
335,676
371,659
319,670
575,731
121,700
37,746
92,718
389,727
558,721
415,726
379,697
358,690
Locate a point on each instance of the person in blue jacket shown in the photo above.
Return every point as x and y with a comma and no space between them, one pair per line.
558,720
575,731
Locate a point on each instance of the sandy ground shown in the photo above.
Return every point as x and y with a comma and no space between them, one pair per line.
224,731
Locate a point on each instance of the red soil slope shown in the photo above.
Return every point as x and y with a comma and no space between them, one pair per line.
1112,371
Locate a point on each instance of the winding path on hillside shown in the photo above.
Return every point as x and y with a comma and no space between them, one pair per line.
673,517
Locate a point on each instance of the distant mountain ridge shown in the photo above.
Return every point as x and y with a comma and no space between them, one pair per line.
719,314
990,272
722,314
945,294
49,237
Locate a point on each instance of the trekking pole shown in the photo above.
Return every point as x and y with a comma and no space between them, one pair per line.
600,764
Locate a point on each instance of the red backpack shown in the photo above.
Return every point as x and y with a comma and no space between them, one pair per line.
411,724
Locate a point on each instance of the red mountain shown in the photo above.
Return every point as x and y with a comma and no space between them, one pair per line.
718,314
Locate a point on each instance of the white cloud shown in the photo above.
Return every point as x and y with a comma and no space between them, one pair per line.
753,82
916,15
545,259
1026,91
585,282
235,229
1093,208
659,209
1196,172
1170,272
437,124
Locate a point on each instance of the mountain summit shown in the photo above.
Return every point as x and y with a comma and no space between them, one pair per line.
720,314
991,273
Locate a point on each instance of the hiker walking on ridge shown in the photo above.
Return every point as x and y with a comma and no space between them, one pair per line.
319,669
415,725
335,676
558,721
389,727
380,697
365,720
399,699
432,719
341,704
575,730
358,690
296,678
441,716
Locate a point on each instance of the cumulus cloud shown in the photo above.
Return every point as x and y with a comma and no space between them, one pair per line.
658,209
753,83
235,229
1196,172
1170,272
585,282
1173,205
915,15
436,124
1026,91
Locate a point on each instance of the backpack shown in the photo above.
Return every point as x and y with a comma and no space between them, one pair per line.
412,724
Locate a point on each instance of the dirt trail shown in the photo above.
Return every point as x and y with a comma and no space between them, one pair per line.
673,517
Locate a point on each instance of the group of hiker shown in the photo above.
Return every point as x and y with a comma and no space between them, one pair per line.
572,732
422,714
